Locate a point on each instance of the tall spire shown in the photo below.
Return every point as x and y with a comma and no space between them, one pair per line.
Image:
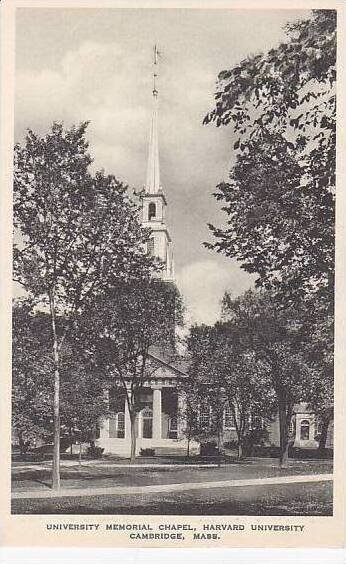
152,185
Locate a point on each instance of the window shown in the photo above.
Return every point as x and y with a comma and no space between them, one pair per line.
151,247
204,416
121,424
228,420
173,427
318,430
117,426
147,421
305,430
256,422
151,211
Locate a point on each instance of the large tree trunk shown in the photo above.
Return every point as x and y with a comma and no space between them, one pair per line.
80,454
23,445
284,419
238,430
324,434
133,437
188,443
56,403
220,445
71,441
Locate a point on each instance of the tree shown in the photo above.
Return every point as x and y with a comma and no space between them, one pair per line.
31,382
246,384
125,329
317,339
82,397
280,199
205,398
274,337
223,372
79,234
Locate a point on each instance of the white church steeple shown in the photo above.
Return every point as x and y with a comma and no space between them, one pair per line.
152,185
153,198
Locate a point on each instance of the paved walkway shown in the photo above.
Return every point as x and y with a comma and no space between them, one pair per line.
75,465
157,488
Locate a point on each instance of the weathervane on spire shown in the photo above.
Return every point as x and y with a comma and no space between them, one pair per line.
156,55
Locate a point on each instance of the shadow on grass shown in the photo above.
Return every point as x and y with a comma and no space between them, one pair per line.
295,500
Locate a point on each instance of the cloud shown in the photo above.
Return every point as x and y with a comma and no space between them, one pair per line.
93,82
101,83
203,284
96,65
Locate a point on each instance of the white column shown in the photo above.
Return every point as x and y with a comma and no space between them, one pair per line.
140,425
157,433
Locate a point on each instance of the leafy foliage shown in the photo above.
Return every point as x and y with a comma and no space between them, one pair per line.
82,387
280,196
128,326
31,380
80,234
278,339
223,372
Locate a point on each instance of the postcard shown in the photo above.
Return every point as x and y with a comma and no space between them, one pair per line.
173,289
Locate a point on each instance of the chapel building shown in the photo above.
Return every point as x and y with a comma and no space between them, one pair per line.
160,423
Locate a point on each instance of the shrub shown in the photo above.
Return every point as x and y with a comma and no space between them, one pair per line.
95,451
231,445
209,449
147,452
254,437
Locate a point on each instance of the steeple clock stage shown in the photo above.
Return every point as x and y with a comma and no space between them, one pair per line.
154,201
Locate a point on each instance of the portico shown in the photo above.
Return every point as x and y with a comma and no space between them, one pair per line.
158,423
159,415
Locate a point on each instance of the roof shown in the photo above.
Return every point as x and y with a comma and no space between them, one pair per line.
179,366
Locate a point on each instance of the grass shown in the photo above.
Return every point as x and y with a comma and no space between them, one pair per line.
286,499
293,499
97,475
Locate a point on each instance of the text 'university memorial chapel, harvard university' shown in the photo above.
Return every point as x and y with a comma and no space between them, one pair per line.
160,422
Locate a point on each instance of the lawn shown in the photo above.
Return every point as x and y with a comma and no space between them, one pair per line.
101,475
293,499
290,499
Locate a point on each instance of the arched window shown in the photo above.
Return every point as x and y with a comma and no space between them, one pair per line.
151,210
151,247
304,430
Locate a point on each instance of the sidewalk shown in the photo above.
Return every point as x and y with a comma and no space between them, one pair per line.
157,488
74,464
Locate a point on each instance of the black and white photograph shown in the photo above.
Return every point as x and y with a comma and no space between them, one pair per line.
174,175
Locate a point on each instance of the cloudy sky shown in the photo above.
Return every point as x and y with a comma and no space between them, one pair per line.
96,64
